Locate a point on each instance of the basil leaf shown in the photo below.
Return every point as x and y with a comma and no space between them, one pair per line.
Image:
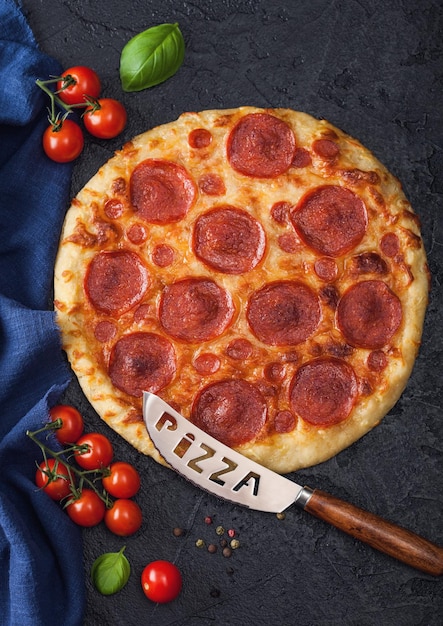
110,572
151,57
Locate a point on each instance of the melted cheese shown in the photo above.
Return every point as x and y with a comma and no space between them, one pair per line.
88,229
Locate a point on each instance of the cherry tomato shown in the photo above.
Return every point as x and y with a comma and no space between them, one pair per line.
99,454
161,581
88,510
124,518
87,83
123,481
65,143
52,476
72,423
106,122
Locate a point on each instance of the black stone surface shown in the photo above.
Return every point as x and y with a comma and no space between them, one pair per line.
374,69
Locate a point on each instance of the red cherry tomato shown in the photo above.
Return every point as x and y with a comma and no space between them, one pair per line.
107,121
161,581
87,83
64,143
99,453
124,518
88,510
52,476
123,481
72,423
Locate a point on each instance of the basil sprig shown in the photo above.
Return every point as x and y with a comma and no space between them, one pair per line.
151,57
110,572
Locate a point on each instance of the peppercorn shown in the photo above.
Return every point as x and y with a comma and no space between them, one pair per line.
178,532
231,532
208,520
227,552
281,515
200,543
220,530
212,548
235,544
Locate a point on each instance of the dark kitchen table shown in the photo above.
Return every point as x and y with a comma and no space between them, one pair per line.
374,69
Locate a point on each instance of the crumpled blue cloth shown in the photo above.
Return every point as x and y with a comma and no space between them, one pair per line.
41,568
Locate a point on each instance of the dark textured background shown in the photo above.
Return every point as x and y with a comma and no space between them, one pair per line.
373,68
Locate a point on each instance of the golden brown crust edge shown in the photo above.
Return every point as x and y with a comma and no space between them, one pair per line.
282,453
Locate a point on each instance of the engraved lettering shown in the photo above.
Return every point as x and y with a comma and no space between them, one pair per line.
193,463
166,420
246,479
230,467
183,445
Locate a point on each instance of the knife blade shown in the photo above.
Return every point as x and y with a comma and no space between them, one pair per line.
216,468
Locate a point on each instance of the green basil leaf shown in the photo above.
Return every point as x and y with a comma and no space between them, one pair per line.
110,572
151,57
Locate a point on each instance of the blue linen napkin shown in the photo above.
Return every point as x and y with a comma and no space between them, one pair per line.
41,568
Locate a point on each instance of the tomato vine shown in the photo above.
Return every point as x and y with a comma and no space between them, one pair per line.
85,477
78,88
79,486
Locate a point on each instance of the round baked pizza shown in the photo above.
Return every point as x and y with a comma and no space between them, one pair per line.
258,269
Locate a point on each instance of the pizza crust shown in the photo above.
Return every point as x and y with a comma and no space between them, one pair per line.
87,230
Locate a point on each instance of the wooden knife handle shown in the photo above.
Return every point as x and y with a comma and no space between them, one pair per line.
380,534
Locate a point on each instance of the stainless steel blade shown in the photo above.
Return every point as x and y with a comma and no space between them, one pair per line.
220,470
214,466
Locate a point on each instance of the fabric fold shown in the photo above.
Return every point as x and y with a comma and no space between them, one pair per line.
40,548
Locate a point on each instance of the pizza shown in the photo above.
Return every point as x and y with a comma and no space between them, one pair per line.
258,269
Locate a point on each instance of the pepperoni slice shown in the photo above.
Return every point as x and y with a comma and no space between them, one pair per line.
232,411
377,361
239,349
274,372
163,255
323,391
283,313
195,309
369,314
105,331
229,240
390,244
207,363
326,268
284,422
137,234
325,148
261,145
211,184
142,362
280,211
301,158
199,138
114,208
161,191
331,220
116,281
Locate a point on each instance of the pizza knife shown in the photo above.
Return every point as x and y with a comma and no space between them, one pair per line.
213,466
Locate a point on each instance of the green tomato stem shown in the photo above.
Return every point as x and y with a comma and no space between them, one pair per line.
54,118
60,456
